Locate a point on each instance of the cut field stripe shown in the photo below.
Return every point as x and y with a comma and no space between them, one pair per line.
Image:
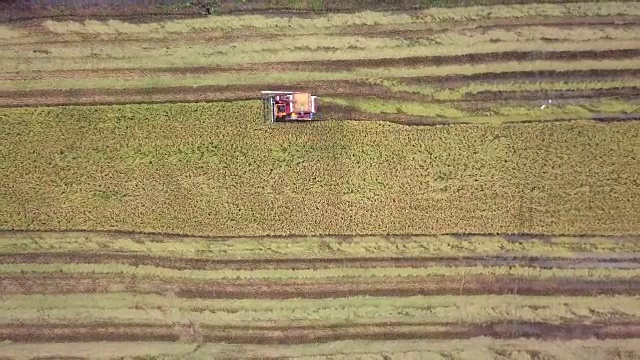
496,58
468,348
122,300
143,270
331,69
374,247
292,78
152,309
367,18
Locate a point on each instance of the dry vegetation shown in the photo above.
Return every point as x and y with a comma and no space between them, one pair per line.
316,247
218,184
217,169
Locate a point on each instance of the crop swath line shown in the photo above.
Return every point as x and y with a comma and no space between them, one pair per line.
150,309
328,65
42,244
346,273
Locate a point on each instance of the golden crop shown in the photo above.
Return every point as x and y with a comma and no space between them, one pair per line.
216,169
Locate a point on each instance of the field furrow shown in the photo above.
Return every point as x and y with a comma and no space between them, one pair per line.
477,59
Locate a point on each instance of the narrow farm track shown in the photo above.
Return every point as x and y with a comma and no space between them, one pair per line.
48,283
618,261
300,335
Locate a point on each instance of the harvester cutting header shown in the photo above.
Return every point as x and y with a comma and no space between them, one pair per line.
280,106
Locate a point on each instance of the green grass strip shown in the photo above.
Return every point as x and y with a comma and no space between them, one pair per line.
282,274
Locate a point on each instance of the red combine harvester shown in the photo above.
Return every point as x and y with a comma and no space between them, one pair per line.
282,106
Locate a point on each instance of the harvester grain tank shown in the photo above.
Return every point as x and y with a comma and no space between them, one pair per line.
283,106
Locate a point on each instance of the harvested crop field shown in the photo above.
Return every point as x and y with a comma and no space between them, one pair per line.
474,193
407,293
420,67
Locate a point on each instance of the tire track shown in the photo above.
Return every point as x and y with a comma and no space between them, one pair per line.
317,334
51,283
181,263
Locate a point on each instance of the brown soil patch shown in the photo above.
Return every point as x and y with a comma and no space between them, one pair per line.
50,283
317,263
317,334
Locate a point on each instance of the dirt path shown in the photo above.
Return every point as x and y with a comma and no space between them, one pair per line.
319,263
310,334
49,283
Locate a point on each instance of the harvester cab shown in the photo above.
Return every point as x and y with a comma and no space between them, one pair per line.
283,106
